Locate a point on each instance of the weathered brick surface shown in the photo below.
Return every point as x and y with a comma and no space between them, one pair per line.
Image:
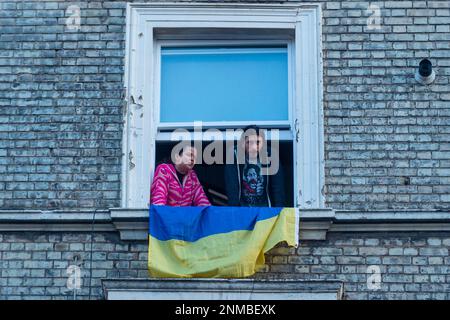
386,144
61,105
34,265
412,265
386,136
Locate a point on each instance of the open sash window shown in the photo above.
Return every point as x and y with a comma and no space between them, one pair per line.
224,85
224,66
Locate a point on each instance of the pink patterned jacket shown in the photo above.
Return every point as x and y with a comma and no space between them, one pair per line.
167,190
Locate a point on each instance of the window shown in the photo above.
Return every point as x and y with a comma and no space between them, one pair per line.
223,84
212,175
239,41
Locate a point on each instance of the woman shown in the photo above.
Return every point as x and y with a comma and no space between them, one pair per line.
176,184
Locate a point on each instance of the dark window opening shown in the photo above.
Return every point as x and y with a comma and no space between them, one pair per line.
212,176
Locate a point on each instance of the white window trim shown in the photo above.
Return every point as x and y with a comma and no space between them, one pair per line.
139,140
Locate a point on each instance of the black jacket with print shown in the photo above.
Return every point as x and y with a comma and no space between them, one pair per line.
274,185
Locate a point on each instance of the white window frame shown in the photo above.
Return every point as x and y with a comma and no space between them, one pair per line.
141,81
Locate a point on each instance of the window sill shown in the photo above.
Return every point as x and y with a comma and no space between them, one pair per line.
222,289
133,223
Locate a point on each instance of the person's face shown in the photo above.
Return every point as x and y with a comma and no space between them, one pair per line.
251,175
252,178
253,145
187,159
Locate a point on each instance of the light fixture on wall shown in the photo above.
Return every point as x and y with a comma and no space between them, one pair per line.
425,73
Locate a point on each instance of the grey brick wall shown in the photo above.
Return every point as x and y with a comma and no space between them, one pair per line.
387,145
34,265
412,265
386,137
60,105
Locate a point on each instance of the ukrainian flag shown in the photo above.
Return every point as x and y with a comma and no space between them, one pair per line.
215,242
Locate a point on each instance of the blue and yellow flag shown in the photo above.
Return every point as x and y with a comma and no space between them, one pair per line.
215,242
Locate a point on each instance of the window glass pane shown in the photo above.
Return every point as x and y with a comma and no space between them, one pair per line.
224,84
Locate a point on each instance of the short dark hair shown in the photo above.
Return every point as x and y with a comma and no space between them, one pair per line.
253,128
185,144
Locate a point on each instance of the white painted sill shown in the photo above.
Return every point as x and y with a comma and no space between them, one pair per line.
315,224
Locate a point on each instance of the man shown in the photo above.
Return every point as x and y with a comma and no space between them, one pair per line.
248,183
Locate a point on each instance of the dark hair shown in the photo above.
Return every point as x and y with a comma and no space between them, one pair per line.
252,129
255,128
185,144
